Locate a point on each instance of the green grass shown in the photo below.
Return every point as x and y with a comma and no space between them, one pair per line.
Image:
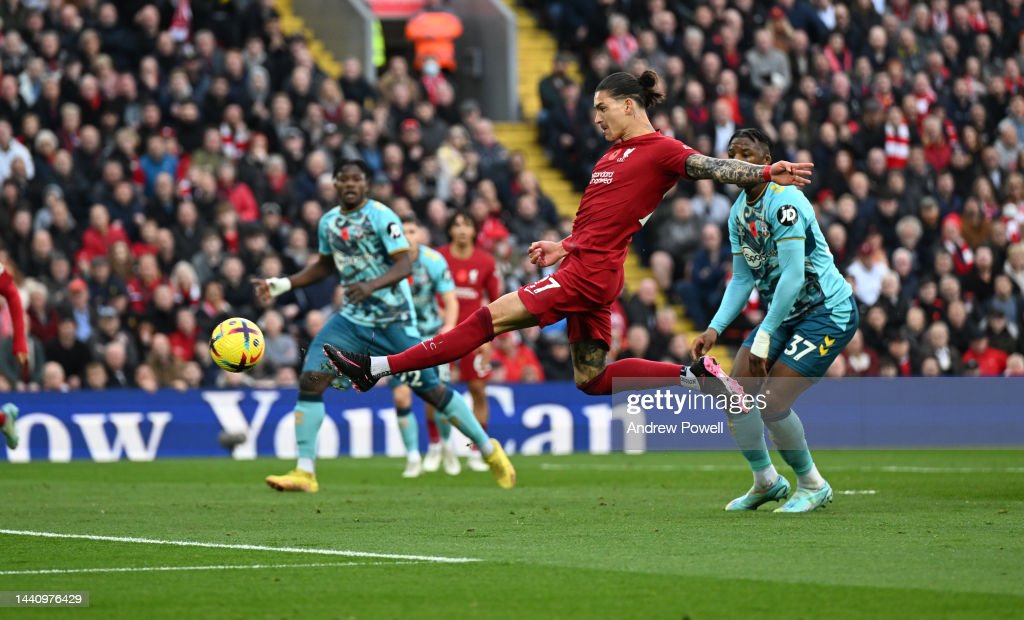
584,536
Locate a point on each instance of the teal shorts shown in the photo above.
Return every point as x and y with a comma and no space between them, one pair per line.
808,344
350,336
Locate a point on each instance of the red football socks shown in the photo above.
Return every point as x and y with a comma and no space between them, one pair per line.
432,432
633,374
444,348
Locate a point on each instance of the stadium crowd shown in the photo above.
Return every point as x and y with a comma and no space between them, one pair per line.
154,159
913,114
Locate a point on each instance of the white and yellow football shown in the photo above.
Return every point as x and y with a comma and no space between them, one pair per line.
237,344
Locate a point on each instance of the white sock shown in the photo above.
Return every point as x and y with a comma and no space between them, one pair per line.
379,365
307,465
811,480
486,449
765,478
413,457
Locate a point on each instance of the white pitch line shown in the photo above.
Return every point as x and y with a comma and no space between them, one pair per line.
208,545
858,492
149,569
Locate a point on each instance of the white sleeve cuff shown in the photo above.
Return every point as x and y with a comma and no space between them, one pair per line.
761,345
279,286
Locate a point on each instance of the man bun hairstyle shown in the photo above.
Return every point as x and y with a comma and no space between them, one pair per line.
644,90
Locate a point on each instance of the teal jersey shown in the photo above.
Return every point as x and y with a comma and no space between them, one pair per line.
430,278
784,213
362,244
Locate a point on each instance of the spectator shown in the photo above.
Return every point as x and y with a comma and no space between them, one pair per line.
514,361
702,290
990,361
641,308
662,334
10,151
69,352
867,272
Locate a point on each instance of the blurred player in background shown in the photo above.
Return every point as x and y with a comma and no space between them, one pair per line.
8,415
476,285
778,247
626,186
363,241
9,412
430,280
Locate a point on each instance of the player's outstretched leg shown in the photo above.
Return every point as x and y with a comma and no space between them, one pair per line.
7,418
812,491
408,426
309,415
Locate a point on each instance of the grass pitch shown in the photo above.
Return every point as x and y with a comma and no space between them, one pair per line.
911,534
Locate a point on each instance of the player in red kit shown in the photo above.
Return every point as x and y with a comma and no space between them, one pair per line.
476,285
627,184
9,412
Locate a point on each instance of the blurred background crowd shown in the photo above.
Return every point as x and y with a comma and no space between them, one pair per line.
154,156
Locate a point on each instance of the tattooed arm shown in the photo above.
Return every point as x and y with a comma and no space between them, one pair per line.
743,174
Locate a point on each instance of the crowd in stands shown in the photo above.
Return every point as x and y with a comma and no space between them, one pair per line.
155,156
154,159
913,114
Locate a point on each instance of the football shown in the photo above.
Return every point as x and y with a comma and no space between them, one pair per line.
236,345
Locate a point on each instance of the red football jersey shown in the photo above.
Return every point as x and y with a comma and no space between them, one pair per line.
628,183
476,280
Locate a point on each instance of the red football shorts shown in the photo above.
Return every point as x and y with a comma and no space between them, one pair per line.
580,294
476,365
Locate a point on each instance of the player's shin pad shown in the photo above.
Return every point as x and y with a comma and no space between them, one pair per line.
748,431
787,433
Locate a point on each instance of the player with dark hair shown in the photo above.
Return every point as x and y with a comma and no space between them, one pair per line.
626,186
430,280
778,247
476,284
362,240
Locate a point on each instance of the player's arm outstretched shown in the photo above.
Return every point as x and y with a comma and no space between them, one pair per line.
744,174
269,288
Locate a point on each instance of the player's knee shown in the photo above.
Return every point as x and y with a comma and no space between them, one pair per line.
436,396
775,406
313,382
403,399
591,385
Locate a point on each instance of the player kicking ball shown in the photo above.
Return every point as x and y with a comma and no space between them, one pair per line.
778,247
363,241
431,279
627,184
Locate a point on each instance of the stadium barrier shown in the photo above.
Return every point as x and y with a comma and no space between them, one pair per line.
552,418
